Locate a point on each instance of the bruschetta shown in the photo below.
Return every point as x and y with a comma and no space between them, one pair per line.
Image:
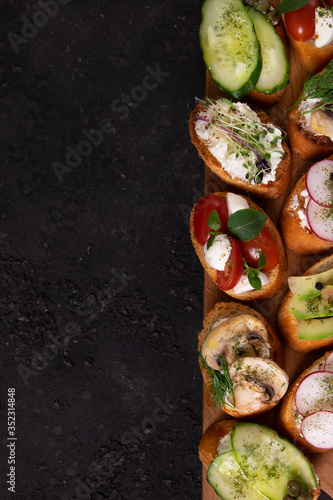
238,246
241,146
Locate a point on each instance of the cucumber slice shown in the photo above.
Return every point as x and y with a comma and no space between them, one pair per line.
230,47
270,461
274,75
226,477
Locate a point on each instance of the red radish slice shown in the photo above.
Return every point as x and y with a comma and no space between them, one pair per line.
315,393
317,429
328,366
320,220
319,183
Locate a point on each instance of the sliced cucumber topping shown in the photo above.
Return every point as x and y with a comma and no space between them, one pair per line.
275,65
270,461
226,477
230,47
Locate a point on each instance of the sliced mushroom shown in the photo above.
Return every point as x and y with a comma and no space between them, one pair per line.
242,335
322,122
257,382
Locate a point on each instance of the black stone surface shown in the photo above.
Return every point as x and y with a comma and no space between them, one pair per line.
101,290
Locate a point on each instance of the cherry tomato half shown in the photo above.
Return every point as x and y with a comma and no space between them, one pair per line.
301,23
202,211
233,270
329,3
265,243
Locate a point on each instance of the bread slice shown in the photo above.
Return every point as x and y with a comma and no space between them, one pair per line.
304,141
287,323
288,417
296,235
271,190
311,58
226,310
210,441
276,277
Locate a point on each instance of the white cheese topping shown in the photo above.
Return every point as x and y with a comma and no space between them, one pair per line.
302,210
323,27
305,119
218,253
231,154
244,285
235,203
224,444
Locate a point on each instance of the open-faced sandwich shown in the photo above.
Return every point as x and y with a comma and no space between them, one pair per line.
241,146
240,359
310,31
306,414
306,219
248,461
309,122
243,51
305,317
238,245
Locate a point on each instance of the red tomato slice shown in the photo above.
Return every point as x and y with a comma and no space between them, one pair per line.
329,3
265,243
301,23
233,270
202,211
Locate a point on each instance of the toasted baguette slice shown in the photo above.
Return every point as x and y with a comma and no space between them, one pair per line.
210,442
311,58
304,141
294,231
289,419
276,277
287,323
271,190
273,349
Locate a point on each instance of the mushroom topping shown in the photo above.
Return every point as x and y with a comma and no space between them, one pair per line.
257,382
242,335
322,122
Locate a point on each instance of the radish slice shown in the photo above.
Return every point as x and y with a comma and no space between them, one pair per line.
328,366
315,393
320,220
319,183
317,429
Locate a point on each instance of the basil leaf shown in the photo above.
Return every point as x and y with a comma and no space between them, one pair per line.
289,5
214,221
262,260
246,224
254,280
211,241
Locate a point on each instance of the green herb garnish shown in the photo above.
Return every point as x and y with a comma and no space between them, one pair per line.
246,224
219,384
214,223
319,87
289,5
253,273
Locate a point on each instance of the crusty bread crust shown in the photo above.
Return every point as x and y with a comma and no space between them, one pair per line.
287,422
271,190
287,323
304,142
210,441
297,238
311,58
276,277
228,310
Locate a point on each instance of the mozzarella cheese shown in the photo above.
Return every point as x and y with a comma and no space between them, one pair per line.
244,285
218,253
323,27
235,203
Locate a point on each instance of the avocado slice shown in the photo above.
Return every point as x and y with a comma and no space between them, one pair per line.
304,287
315,329
316,307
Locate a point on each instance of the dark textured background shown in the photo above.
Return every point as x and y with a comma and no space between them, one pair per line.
101,290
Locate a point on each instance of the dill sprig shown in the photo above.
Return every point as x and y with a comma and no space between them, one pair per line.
319,87
219,384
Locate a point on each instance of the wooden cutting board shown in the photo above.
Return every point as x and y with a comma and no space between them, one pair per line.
295,363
